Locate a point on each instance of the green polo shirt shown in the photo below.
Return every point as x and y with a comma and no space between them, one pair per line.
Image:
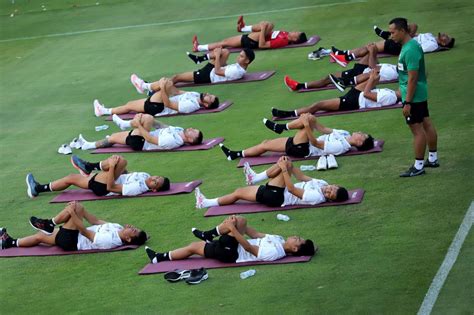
411,59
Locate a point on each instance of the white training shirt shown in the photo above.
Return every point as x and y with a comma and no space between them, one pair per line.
133,184
188,102
334,143
388,72
106,237
385,97
232,72
427,42
270,248
312,195
168,138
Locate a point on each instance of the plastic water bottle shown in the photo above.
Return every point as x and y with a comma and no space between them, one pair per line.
283,217
101,127
307,167
246,274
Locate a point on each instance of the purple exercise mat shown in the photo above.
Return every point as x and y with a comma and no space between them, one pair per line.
195,262
343,112
383,55
272,158
221,107
333,87
248,77
313,40
85,194
44,250
355,196
121,148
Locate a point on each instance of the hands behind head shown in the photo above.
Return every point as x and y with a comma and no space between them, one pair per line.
371,47
305,119
114,159
217,51
375,74
230,222
285,163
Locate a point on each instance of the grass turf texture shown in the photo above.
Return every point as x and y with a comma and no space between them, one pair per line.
376,257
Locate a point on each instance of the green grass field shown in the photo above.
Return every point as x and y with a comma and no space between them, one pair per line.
378,257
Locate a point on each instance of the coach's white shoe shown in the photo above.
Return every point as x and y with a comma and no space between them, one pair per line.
331,162
322,163
98,108
137,83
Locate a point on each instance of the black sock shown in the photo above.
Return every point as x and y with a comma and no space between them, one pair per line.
338,51
42,188
278,128
283,113
300,86
93,166
231,155
348,81
381,33
349,56
162,257
10,242
197,59
206,236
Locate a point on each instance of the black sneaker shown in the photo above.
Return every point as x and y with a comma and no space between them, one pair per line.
412,171
337,82
176,275
31,184
203,236
197,276
5,239
431,164
151,255
80,165
45,226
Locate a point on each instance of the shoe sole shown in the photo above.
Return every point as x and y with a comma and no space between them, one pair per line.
413,174
336,84
43,231
29,191
174,276
78,168
205,277
289,88
342,64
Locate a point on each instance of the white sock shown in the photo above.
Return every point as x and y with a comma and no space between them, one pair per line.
306,85
432,156
123,124
100,165
419,164
54,222
206,203
208,56
260,176
296,114
169,255
88,146
203,47
146,86
247,28
106,111
355,80
286,125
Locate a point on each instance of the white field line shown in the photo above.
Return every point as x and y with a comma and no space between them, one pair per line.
448,262
178,21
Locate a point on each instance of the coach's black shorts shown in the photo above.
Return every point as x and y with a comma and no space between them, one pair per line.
350,101
100,189
224,249
247,42
67,239
203,75
418,113
299,150
271,196
153,108
391,47
136,142
355,71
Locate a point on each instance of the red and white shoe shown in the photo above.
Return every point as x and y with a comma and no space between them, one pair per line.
137,83
240,23
199,198
249,174
98,109
290,83
195,44
340,59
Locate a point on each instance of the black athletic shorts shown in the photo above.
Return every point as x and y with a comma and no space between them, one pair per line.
203,75
418,113
271,196
67,239
247,42
134,141
299,150
224,249
391,47
100,189
355,71
350,101
153,108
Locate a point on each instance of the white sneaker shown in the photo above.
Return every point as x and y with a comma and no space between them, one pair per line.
331,162
249,174
199,198
65,149
98,108
118,121
137,83
322,163
81,140
75,143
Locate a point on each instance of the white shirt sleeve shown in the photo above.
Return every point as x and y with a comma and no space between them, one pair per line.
386,97
333,147
134,189
232,72
103,240
169,141
429,46
313,197
269,252
188,106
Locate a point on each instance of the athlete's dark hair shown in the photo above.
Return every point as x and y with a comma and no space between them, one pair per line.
451,43
400,23
368,144
341,194
306,249
302,38
250,54
214,104
198,139
140,239
166,185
